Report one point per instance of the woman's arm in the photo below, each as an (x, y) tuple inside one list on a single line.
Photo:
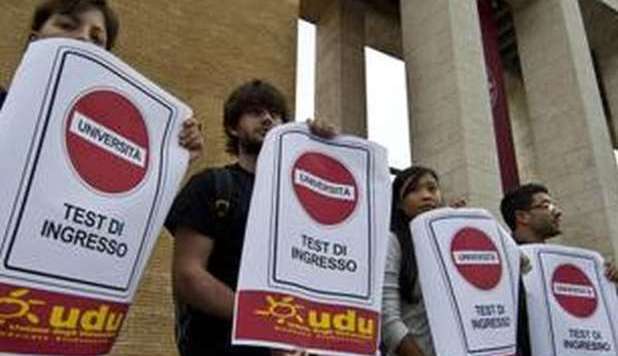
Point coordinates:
[(395, 333)]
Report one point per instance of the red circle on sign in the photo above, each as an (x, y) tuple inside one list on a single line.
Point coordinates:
[(107, 141), (476, 258), (325, 188), (574, 291)]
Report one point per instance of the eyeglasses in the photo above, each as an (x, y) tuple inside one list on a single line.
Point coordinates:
[(550, 206)]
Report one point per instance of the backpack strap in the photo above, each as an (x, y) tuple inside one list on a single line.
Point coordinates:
[(222, 204)]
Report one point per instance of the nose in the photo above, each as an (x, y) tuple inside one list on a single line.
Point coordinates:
[(427, 195), (556, 211), (267, 117)]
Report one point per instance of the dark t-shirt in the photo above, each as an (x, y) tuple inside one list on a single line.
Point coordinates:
[(523, 330), (2, 97), (198, 333)]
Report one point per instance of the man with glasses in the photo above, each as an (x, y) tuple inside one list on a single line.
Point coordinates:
[(534, 217), (531, 213)]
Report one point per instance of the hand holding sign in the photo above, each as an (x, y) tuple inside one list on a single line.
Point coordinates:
[(611, 271), (191, 138)]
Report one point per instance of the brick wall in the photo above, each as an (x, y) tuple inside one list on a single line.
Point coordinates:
[(199, 50)]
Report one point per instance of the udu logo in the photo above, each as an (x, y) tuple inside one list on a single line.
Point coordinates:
[(18, 308), (476, 257), (107, 141), (574, 291), (349, 321), (325, 188)]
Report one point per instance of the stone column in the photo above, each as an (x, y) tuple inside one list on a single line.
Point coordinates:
[(602, 29), (451, 124), (340, 67), (601, 24), (608, 63), (571, 139)]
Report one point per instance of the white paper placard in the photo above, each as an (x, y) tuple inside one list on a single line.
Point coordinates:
[(572, 307), (90, 165), (315, 245), (469, 269)]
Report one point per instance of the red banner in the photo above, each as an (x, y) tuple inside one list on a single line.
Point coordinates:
[(499, 105), (40, 322), (284, 318)]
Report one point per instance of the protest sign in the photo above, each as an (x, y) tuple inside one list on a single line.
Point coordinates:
[(313, 258), (572, 307), (469, 273), (90, 165)]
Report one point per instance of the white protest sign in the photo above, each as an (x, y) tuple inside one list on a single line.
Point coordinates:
[(572, 306), (314, 251), (90, 165), (469, 272)]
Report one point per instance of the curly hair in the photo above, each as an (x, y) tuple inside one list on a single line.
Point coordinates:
[(256, 94)]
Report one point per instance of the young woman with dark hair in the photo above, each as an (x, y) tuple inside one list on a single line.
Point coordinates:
[(405, 327)]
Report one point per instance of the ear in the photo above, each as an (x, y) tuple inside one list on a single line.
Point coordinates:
[(522, 218), (231, 131)]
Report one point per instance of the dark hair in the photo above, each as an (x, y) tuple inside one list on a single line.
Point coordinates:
[(400, 226), (256, 94), (68, 7), (519, 199)]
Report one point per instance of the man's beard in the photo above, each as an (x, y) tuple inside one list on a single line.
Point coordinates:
[(553, 232), (250, 146), (548, 231)]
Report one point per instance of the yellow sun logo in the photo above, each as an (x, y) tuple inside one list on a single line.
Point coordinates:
[(12, 307), (282, 309)]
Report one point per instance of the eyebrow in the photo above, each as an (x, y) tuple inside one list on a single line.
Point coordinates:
[(75, 17), (546, 201)]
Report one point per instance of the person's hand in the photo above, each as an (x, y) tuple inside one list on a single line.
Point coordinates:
[(322, 128), (524, 264), (276, 352), (408, 347), (611, 272), (459, 202), (191, 138)]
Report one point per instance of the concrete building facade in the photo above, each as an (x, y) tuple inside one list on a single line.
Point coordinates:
[(559, 61)]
